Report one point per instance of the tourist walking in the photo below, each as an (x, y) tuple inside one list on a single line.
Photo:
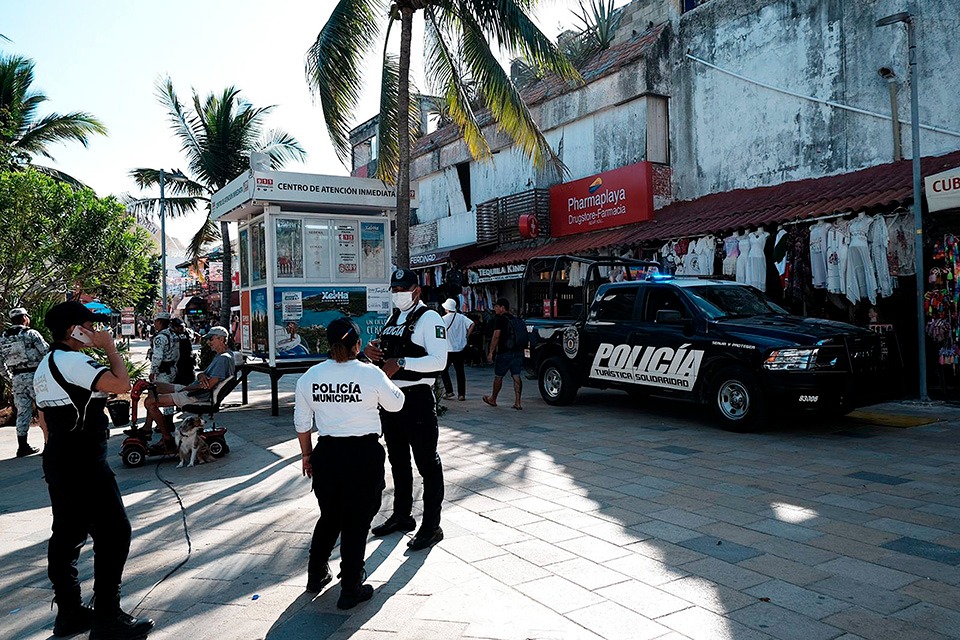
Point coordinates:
[(506, 352), (412, 350), (342, 398), (458, 327)]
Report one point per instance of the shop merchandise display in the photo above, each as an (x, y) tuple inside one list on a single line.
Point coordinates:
[(731, 249), (706, 253), (942, 300), (859, 276), (743, 241), (900, 248), (780, 256), (818, 254), (757, 260)]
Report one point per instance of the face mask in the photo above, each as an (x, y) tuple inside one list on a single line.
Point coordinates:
[(402, 300)]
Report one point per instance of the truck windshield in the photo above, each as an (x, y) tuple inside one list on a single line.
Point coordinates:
[(727, 301)]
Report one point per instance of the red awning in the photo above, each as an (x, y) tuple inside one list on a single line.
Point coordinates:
[(875, 189)]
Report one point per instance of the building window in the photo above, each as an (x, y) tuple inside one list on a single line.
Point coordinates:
[(463, 173), (658, 130)]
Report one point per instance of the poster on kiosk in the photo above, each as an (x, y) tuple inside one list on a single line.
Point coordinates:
[(311, 249)]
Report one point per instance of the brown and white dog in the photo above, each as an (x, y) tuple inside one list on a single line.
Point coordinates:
[(191, 446)]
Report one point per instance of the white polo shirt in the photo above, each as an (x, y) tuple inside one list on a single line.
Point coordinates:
[(76, 368), (344, 398)]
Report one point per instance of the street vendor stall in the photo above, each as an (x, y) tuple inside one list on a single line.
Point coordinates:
[(311, 248)]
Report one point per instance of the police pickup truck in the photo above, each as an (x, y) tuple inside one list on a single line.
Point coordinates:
[(615, 323)]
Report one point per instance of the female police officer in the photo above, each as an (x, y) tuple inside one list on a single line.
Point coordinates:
[(342, 396)]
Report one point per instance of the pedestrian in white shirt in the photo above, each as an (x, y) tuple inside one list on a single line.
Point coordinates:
[(342, 397), (459, 328)]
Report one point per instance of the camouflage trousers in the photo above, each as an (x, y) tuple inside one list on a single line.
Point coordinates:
[(168, 378), (24, 398)]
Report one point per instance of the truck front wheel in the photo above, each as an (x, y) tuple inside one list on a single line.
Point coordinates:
[(556, 382), (736, 400)]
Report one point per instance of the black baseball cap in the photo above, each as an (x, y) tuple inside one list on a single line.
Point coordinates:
[(343, 331), (404, 278), (67, 314)]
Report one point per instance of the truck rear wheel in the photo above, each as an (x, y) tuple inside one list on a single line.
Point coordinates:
[(556, 382), (736, 400)]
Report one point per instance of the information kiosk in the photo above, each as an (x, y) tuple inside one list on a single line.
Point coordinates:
[(311, 248)]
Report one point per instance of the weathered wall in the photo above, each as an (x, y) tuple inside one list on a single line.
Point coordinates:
[(728, 133)]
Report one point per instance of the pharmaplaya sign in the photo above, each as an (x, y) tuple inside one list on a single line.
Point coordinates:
[(609, 199)]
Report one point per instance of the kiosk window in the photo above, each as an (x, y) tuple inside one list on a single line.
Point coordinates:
[(663, 298), (616, 305), (244, 257), (289, 248), (258, 251), (318, 250)]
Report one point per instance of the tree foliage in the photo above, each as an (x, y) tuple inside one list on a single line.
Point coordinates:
[(217, 135), (56, 239), (461, 39)]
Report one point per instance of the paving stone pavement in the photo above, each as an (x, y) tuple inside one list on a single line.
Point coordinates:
[(600, 520)]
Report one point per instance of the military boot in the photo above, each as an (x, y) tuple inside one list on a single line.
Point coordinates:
[(24, 449), (318, 575), (110, 622), (73, 616)]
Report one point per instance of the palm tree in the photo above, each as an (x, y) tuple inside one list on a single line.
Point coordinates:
[(459, 35), (22, 134), (217, 136)]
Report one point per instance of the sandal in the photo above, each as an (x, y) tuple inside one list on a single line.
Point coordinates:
[(518, 407), (461, 398), (489, 401), (448, 395)]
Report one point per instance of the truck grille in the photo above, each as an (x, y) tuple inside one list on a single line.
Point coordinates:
[(867, 354)]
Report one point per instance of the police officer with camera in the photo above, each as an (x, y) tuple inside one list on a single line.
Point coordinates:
[(165, 351), (412, 350), (72, 391), (21, 349)]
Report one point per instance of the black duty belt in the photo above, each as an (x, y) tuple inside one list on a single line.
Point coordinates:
[(23, 370)]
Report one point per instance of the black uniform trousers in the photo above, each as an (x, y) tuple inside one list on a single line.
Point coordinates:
[(86, 501), (414, 428), (348, 483), (456, 359)]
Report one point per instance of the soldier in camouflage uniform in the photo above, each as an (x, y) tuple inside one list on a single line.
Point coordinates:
[(165, 351), (21, 350)]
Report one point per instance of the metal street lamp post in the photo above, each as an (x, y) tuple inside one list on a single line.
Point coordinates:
[(177, 176), (907, 18)]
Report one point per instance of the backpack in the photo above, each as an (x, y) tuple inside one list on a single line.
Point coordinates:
[(517, 337)]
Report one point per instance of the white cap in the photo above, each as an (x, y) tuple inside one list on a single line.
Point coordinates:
[(217, 331), (163, 315), (18, 311), (450, 304)]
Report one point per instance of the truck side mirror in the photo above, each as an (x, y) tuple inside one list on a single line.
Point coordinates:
[(669, 316)]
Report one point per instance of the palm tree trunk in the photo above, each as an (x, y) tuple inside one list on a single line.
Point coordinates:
[(402, 258), (227, 284)]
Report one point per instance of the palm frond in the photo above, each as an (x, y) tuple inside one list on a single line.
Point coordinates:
[(174, 207), (180, 121), (205, 235), (148, 178), (56, 174), (53, 128), (281, 147), (442, 69), (504, 101), (334, 67)]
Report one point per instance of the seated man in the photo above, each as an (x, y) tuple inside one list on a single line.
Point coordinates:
[(198, 393)]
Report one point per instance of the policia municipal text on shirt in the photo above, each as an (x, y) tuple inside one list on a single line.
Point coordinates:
[(347, 464), (412, 350), (71, 390)]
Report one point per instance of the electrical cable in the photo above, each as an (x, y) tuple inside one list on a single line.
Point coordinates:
[(829, 103), (186, 535)]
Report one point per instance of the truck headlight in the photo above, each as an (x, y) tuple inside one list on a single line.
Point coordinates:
[(791, 359)]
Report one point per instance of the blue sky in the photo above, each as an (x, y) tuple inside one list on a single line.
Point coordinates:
[(105, 57)]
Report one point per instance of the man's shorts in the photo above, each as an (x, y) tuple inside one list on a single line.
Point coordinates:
[(511, 361), (182, 398)]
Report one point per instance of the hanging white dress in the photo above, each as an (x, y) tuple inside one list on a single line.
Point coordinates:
[(707, 251), (743, 249), (836, 258), (860, 275), (818, 254), (879, 241), (757, 261), (731, 249)]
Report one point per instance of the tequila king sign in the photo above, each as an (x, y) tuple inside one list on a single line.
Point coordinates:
[(609, 199)]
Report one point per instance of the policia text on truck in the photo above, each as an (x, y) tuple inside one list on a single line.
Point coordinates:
[(711, 341)]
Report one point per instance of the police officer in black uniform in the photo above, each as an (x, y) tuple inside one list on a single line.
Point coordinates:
[(412, 349), (71, 391)]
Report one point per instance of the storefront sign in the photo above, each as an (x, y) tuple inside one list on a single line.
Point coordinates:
[(292, 305), (284, 186), (609, 199), (497, 274), (943, 190), (346, 260), (127, 322)]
